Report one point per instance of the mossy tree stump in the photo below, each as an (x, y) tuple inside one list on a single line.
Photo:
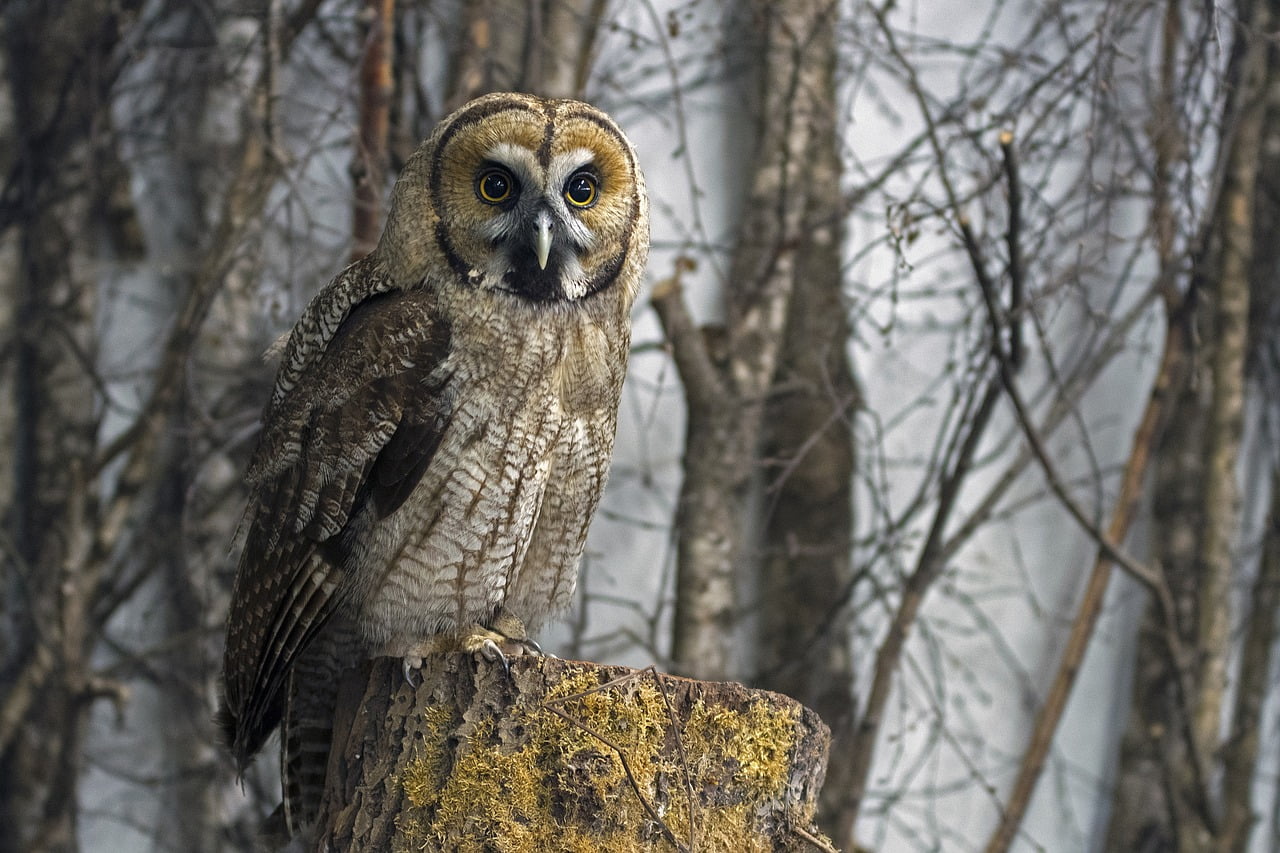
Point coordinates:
[(567, 756)]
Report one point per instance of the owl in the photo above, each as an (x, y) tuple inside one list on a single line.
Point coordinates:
[(441, 425)]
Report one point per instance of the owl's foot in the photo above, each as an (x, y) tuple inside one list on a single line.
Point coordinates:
[(487, 647), (506, 637), (516, 635), (413, 656)]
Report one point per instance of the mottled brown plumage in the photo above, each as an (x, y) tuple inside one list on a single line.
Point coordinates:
[(442, 421)]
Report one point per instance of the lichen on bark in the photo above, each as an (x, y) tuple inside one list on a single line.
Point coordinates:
[(571, 756)]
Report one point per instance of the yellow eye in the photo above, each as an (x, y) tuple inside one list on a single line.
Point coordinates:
[(580, 191), (495, 186)]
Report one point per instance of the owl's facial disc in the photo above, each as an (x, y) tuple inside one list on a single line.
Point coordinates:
[(536, 226), (536, 199)]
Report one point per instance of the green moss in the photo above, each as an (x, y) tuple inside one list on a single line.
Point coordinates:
[(425, 772), (758, 742)]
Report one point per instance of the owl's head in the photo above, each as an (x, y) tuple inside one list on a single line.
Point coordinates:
[(542, 199)]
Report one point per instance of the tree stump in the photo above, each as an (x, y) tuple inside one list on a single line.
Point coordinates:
[(567, 756)]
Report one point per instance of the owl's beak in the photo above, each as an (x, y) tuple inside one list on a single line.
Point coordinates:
[(542, 239)]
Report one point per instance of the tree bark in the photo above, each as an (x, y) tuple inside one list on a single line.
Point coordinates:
[(805, 643), (78, 499), (1240, 754), (59, 77), (567, 755), (726, 395), (544, 47), (1228, 293), (369, 162), (1162, 799)]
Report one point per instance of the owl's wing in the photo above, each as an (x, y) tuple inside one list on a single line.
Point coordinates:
[(356, 431)]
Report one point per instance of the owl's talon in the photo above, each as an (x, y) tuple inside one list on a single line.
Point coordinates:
[(410, 666), (514, 636), (491, 652)]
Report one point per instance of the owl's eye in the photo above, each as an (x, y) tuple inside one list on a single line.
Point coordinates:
[(495, 186), (580, 191)]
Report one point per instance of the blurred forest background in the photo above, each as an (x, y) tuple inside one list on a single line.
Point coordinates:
[(953, 409)]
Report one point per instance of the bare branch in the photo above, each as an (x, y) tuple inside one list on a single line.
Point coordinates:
[(704, 386)]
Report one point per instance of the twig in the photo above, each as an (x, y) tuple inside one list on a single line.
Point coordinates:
[(680, 753), (626, 767), (1109, 554), (675, 730), (1017, 286), (816, 841), (682, 131), (928, 566)]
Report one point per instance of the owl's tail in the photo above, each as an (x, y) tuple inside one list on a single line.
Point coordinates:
[(306, 730)]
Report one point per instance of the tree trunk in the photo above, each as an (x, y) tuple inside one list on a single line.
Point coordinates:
[(1240, 756), (369, 161), (567, 755), (1161, 803), (544, 47), (59, 78), (726, 395), (1142, 814), (805, 643), (78, 497)]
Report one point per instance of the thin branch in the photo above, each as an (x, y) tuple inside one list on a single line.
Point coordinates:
[(1017, 284), (631, 776), (928, 566), (680, 754), (253, 178), (1090, 606), (817, 841), (703, 384)]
